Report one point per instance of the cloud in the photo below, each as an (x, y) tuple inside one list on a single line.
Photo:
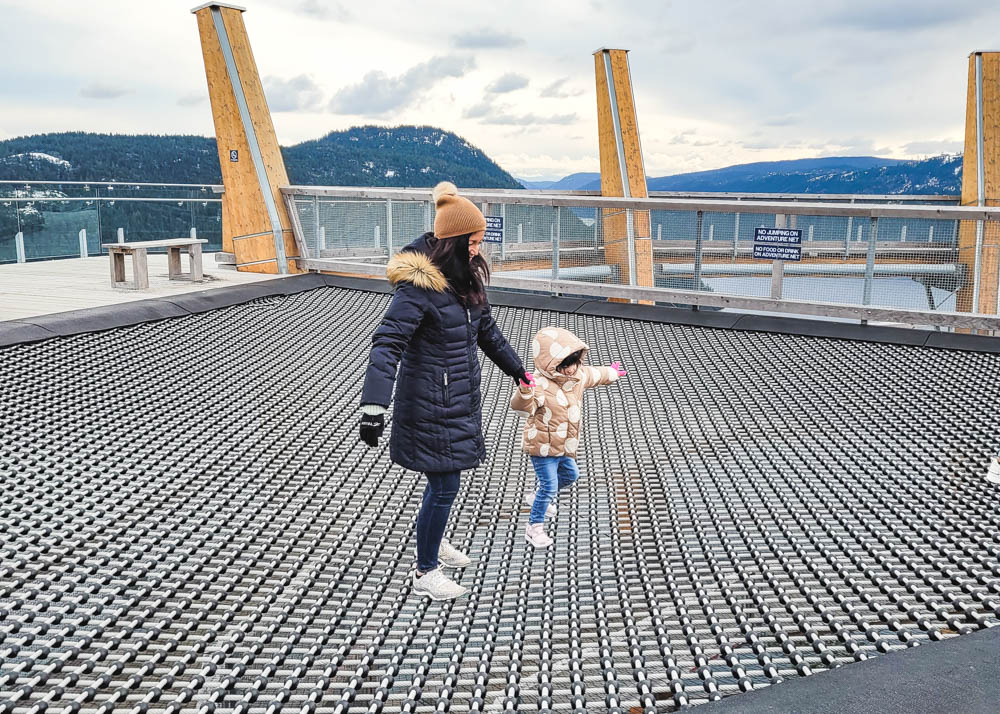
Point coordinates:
[(98, 90), (501, 114), (902, 15), (378, 93), (784, 120), (486, 38), (507, 83), (556, 91), (191, 100), (944, 146), (503, 118), (478, 110), (325, 10), (289, 95), (678, 44)]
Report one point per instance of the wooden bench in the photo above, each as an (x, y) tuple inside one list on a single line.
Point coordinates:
[(140, 271)]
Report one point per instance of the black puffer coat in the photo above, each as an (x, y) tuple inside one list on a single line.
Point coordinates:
[(431, 337)]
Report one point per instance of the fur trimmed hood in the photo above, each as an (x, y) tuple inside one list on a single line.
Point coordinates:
[(417, 269)]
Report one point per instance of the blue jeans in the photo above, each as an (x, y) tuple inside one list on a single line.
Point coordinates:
[(554, 473), (442, 487)]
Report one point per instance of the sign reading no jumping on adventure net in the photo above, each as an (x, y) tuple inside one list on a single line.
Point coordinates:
[(777, 244)]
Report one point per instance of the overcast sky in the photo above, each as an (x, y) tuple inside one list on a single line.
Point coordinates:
[(716, 83)]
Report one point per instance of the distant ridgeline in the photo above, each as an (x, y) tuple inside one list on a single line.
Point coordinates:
[(851, 174), (362, 156)]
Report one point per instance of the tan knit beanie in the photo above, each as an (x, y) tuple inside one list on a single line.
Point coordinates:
[(455, 215)]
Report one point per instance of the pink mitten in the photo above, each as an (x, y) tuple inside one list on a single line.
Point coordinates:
[(617, 366), (530, 384)]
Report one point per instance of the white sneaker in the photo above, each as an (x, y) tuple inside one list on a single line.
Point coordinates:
[(535, 535), (451, 556), (437, 586), (993, 474), (529, 499)]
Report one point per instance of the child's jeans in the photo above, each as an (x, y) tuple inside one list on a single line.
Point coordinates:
[(554, 473)]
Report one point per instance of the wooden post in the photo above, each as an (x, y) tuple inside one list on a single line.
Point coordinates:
[(622, 170), (256, 226), (979, 244)]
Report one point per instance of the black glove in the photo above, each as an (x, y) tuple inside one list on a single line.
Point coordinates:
[(521, 376), (372, 426)]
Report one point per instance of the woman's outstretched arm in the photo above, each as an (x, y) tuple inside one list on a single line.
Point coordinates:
[(401, 320), (495, 346)]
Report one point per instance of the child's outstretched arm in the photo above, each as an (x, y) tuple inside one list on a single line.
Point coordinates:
[(597, 376), (523, 399)]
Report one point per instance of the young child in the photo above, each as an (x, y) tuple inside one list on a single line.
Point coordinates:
[(551, 400)]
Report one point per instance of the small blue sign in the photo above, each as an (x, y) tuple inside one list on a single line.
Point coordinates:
[(765, 251), (494, 229), (779, 236), (777, 243)]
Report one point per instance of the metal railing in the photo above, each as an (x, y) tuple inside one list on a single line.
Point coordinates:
[(42, 220), (910, 262)]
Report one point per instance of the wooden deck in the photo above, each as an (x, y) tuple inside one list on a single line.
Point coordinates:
[(50, 286)]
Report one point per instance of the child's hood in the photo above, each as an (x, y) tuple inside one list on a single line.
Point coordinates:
[(551, 346)]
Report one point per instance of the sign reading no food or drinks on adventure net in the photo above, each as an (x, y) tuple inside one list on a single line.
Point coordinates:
[(777, 244), (494, 229)]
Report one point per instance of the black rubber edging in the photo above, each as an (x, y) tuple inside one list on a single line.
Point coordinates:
[(961, 674), (777, 324), (133, 313), (109, 317)]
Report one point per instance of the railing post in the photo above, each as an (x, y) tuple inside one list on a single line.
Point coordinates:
[(83, 243), (870, 263), (322, 239), (19, 246), (378, 237), (121, 234), (736, 236), (428, 221), (847, 238), (316, 223), (698, 225), (977, 271), (630, 234), (503, 233), (388, 225), (555, 246), (194, 233), (778, 266)]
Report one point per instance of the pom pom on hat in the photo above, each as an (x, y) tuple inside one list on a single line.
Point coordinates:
[(455, 215), (445, 188)]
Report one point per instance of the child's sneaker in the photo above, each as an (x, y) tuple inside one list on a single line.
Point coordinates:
[(535, 535), (437, 586), (529, 499), (451, 556)]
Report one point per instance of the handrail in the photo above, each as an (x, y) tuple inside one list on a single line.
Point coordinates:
[(107, 199), (872, 210), (976, 321), (217, 188)]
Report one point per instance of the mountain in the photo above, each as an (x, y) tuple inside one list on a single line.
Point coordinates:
[(836, 174), (361, 156), (853, 174), (573, 182)]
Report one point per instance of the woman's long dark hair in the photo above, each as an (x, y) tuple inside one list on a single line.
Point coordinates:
[(467, 278)]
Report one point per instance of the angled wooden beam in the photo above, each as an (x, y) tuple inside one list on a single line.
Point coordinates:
[(626, 234), (256, 226), (979, 242)]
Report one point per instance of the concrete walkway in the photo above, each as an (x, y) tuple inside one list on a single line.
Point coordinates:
[(52, 286)]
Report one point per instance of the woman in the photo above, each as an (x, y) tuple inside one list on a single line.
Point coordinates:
[(438, 315)]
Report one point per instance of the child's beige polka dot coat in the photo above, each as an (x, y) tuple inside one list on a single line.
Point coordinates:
[(553, 408)]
